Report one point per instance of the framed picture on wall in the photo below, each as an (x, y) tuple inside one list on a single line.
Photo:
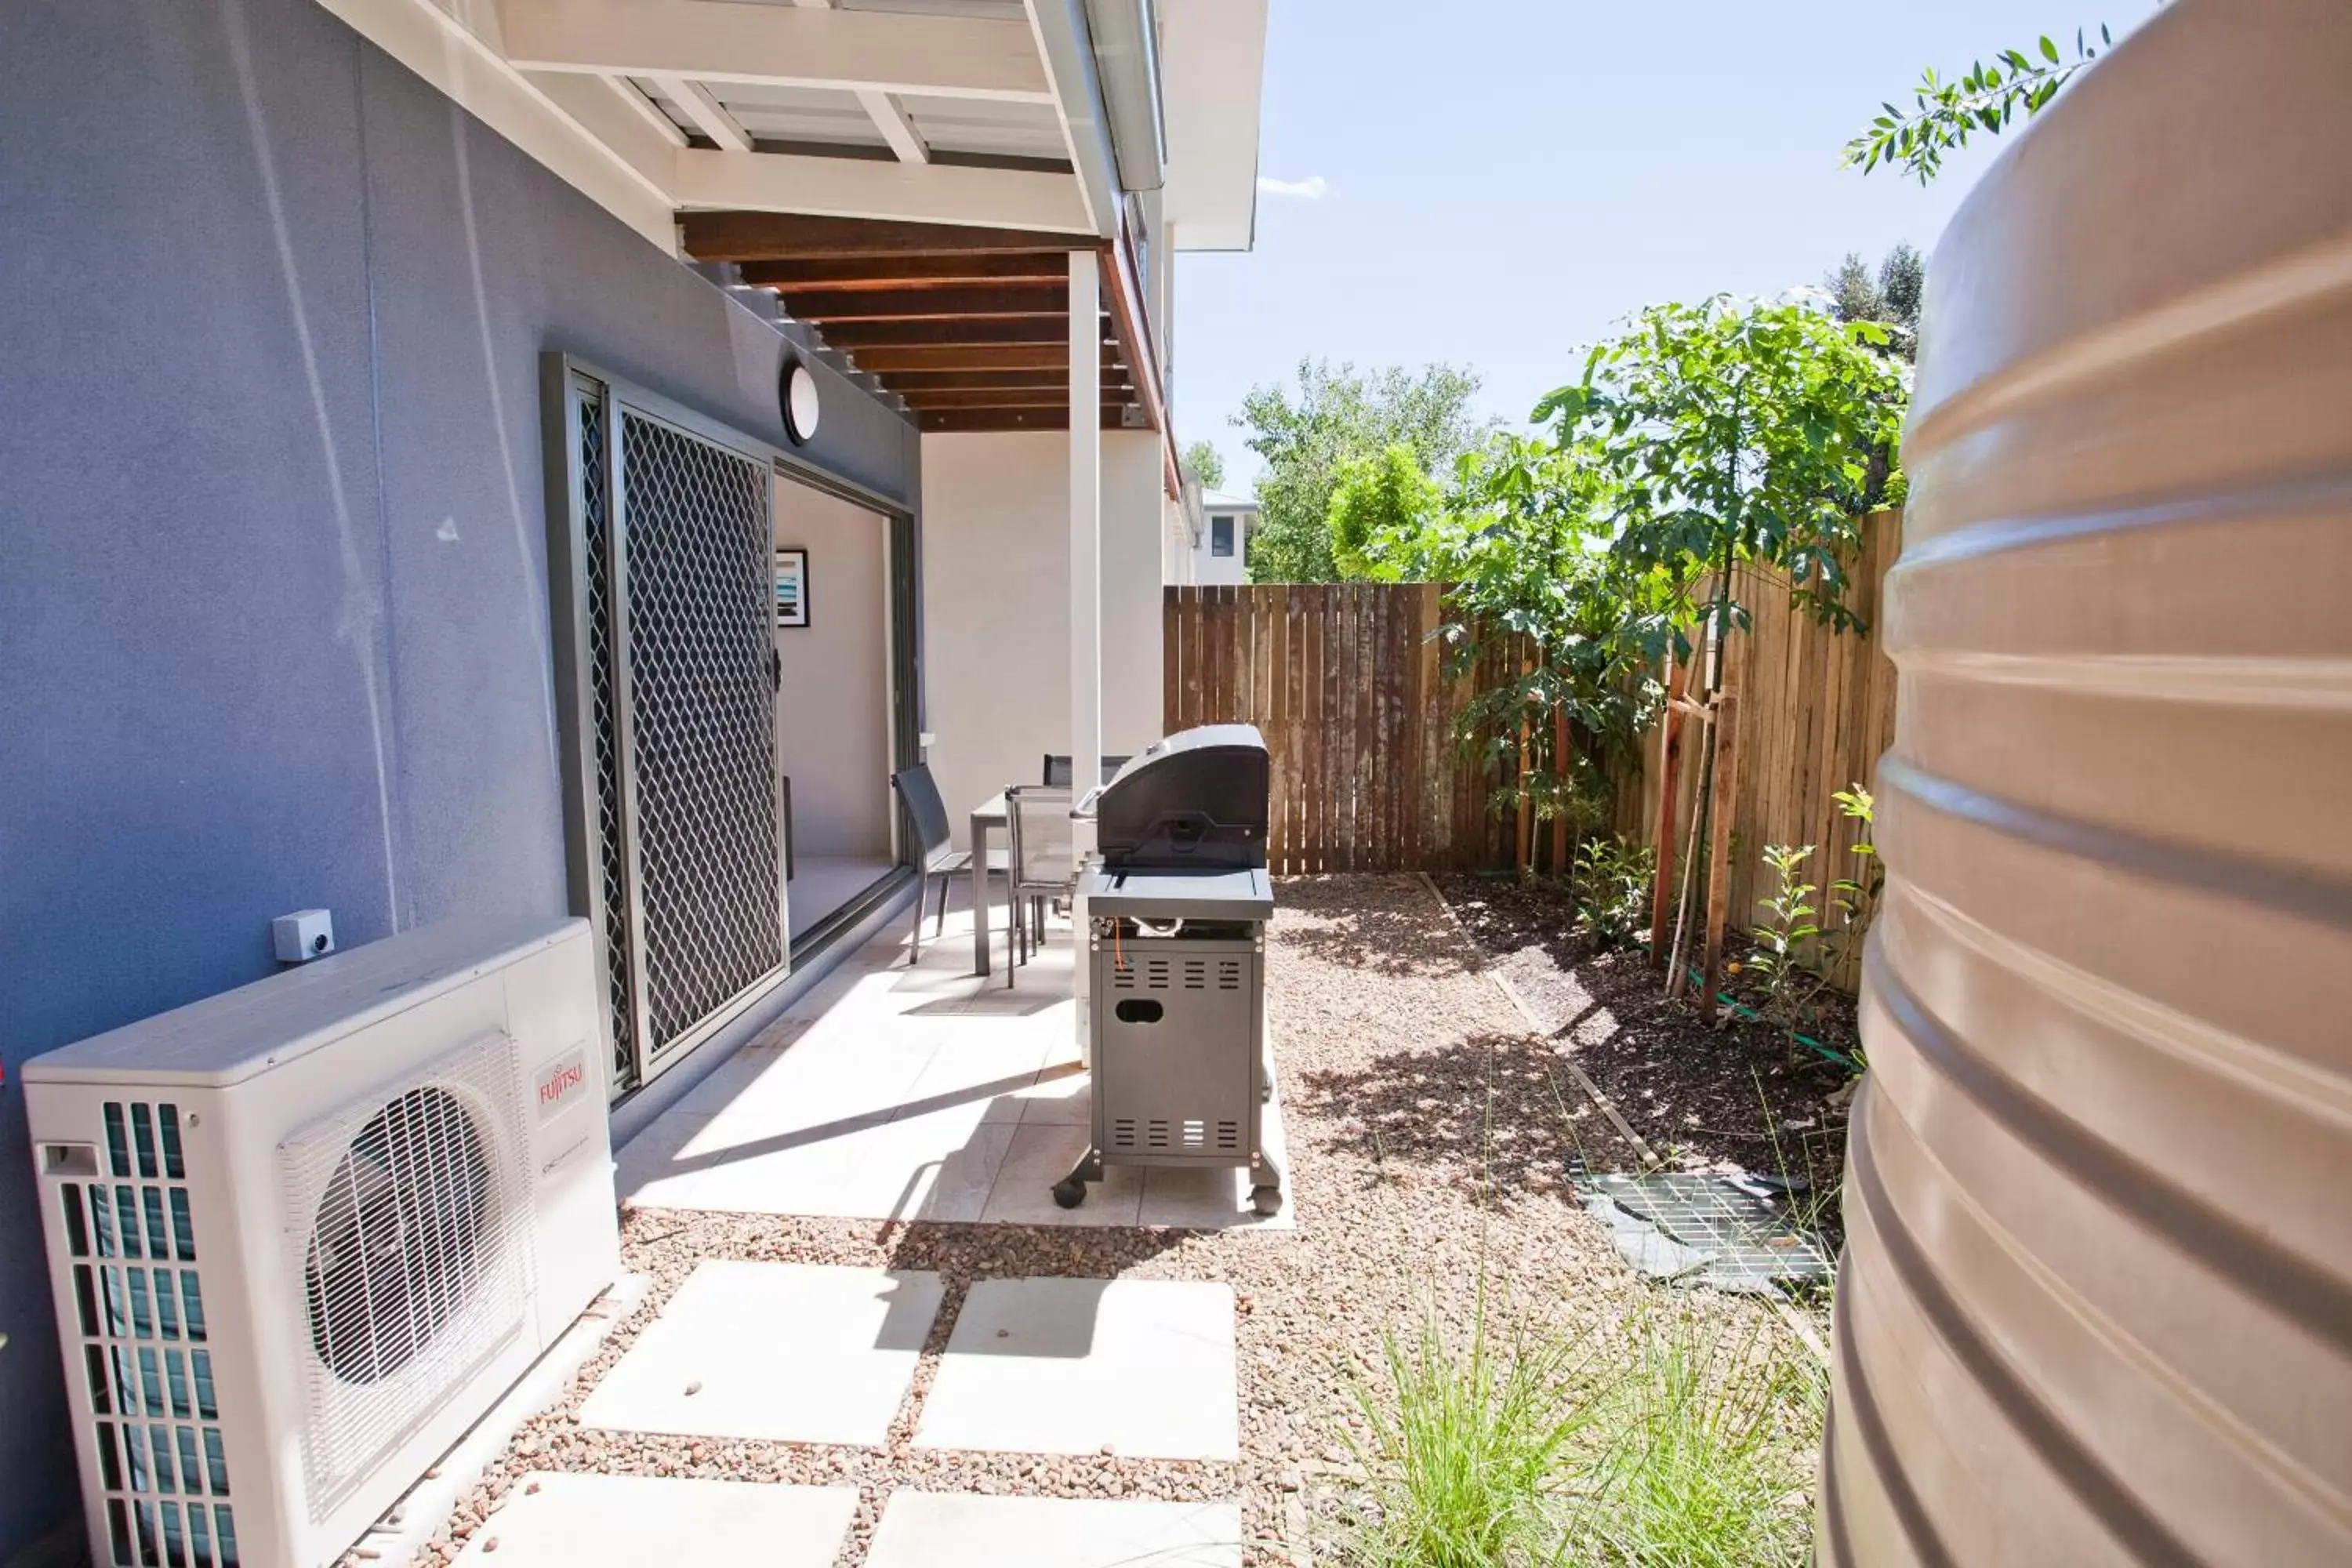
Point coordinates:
[(792, 588)]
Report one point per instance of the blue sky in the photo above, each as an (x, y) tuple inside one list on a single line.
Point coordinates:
[(1493, 183)]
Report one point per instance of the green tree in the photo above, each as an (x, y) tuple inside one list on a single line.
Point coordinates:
[(1732, 431), (1305, 438), (1729, 432), (1891, 297), (1944, 114), (1524, 540), (1205, 463), (1383, 496)]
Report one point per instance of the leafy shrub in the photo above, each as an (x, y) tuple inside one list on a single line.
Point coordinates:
[(1781, 962), (1610, 885), (1855, 896)]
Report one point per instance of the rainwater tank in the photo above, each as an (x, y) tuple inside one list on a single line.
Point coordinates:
[(2096, 1300)]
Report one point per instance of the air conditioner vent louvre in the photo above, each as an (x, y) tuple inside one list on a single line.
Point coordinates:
[(145, 1365)]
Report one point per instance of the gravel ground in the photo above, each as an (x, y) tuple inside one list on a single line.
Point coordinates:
[(1429, 1137), (1704, 1099)]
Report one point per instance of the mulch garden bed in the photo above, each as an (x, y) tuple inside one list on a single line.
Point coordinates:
[(1706, 1098)]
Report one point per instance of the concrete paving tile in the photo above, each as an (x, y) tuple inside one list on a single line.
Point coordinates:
[(742, 1070), (843, 1074), (938, 1166), (558, 1520), (792, 1352), (975, 1066), (1062, 1095), (721, 1163), (1141, 1367), (1196, 1199), (650, 1156), (935, 1530), (1041, 1155)]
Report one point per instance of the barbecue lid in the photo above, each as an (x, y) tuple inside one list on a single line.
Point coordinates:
[(1198, 798), (1243, 895)]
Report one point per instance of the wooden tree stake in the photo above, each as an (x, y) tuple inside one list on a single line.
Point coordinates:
[(1559, 768), (1523, 835), (1669, 758), (1718, 855)]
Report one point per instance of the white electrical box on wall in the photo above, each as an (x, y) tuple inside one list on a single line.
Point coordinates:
[(302, 936)]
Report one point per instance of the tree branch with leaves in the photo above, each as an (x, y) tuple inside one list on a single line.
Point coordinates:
[(1944, 114)]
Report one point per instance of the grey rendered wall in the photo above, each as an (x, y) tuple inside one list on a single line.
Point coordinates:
[(832, 701), (273, 624)]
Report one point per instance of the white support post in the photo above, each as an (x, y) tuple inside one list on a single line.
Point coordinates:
[(1085, 521), (1086, 596)]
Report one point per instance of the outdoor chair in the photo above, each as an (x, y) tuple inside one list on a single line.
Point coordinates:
[(936, 858), (1044, 865), (1057, 769)]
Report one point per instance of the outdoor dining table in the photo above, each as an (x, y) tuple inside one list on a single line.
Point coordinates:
[(987, 817)]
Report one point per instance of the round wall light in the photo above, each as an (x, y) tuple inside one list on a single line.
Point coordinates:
[(797, 393)]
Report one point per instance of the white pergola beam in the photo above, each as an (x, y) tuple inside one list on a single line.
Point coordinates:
[(709, 116), (600, 105), (953, 57), (890, 119), (636, 102), (1044, 200), (468, 68), (889, 115)]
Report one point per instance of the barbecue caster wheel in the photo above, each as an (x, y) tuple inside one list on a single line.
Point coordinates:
[(1069, 1192), (1267, 1201)]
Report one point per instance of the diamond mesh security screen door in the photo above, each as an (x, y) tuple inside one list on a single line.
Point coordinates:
[(666, 660)]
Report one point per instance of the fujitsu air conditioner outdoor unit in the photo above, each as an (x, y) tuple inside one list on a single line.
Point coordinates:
[(303, 1234)]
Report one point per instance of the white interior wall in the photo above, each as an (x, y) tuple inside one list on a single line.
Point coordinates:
[(997, 605), (833, 704)]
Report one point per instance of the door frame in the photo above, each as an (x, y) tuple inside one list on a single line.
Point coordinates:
[(565, 379)]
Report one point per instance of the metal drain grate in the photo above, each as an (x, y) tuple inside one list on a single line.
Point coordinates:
[(1745, 1233)]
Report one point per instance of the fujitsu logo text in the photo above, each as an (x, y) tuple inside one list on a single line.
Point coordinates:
[(560, 1082)]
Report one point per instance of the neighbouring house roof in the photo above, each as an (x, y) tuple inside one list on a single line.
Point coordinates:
[(1218, 501)]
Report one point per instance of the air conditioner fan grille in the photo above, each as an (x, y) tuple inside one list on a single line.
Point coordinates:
[(405, 1217)]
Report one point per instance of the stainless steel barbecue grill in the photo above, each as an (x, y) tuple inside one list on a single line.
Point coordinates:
[(1176, 912)]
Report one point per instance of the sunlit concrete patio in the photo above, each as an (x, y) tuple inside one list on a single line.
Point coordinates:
[(917, 1091)]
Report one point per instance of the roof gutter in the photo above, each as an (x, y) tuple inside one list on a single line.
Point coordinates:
[(1069, 47), (1126, 54)]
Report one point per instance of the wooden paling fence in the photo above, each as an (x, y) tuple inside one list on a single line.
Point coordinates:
[(1347, 682), (1816, 709)]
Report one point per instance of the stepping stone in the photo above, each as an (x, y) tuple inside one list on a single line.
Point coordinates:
[(795, 1353), (626, 1521), (1141, 1367), (940, 1530)]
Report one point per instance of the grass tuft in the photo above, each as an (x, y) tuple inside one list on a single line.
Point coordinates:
[(1684, 1444), (1711, 1433), (1460, 1448)]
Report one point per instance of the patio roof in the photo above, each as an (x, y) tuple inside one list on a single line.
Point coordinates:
[(1040, 117), (969, 326)]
